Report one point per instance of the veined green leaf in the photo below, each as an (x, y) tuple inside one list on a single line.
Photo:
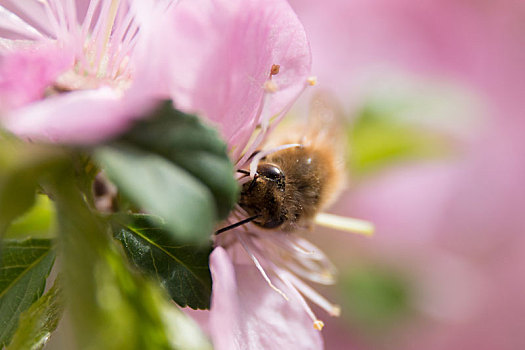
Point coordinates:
[(22, 166), (39, 221), (186, 141), (111, 306), (24, 267), (181, 268), (173, 166), (39, 321), (164, 189)]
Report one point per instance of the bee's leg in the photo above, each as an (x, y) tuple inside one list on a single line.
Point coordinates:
[(253, 182), (246, 172), (253, 154)]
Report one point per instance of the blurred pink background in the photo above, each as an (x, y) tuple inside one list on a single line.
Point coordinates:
[(434, 93)]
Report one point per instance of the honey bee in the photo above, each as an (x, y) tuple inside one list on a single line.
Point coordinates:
[(296, 181)]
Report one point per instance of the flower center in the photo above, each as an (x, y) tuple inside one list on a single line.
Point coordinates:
[(102, 44)]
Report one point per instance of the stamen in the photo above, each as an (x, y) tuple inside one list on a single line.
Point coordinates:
[(126, 36), (87, 19), (52, 18), (318, 324), (250, 150), (35, 13), (310, 293), (316, 267), (59, 10), (259, 266), (261, 125), (110, 16), (71, 15), (313, 271), (286, 242), (261, 155), (244, 180), (12, 22), (275, 69), (312, 81), (360, 227), (270, 86)]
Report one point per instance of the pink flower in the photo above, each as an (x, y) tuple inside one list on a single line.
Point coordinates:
[(454, 227), (240, 64), (257, 299), (247, 314), (225, 79), (94, 66), (67, 69)]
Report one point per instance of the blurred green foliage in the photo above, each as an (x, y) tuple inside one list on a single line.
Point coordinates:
[(37, 323), (181, 268), (111, 305), (39, 221), (23, 166), (174, 167), (24, 267), (378, 139), (376, 298), (171, 165)]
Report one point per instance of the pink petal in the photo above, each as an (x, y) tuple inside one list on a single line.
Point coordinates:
[(215, 57), (26, 70), (247, 314), (80, 117), (476, 42)]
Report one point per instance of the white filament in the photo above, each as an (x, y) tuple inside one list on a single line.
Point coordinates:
[(262, 154)]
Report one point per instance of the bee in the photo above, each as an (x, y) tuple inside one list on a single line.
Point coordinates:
[(300, 174)]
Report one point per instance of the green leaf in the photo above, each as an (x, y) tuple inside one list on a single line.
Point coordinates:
[(181, 268), (162, 188), (111, 306), (39, 221), (22, 167), (24, 267), (378, 297), (378, 140), (39, 321), (193, 146)]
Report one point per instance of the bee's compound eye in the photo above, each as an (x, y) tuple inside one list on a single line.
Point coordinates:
[(270, 171)]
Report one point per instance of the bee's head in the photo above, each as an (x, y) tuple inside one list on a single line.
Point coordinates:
[(264, 196), (271, 176)]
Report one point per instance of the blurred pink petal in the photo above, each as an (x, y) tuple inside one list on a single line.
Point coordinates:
[(246, 314), (478, 43), (224, 79), (405, 203), (212, 57), (85, 116), (81, 67), (26, 71), (470, 209)]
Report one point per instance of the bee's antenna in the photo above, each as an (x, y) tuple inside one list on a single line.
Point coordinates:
[(237, 224)]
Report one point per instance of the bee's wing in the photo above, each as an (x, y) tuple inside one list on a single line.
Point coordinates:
[(325, 125)]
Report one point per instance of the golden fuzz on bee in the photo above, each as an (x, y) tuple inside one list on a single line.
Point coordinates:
[(292, 185)]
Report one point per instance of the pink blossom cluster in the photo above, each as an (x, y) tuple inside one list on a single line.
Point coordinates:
[(80, 72)]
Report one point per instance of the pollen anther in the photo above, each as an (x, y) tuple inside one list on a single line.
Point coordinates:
[(312, 80), (275, 69), (270, 86)]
